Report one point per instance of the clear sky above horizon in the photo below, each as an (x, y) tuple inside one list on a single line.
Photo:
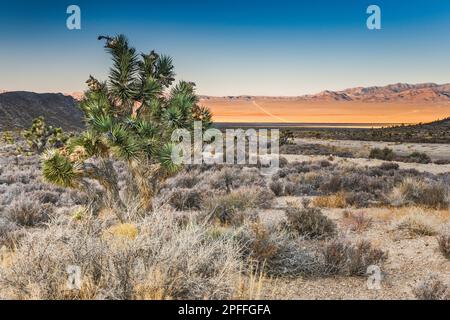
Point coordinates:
[(231, 47)]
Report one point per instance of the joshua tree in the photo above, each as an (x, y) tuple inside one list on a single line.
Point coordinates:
[(40, 136), (131, 118), (7, 137)]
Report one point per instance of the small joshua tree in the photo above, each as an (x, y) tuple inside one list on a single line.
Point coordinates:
[(131, 118), (40, 136), (7, 137)]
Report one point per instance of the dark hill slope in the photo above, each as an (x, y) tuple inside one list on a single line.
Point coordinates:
[(18, 109)]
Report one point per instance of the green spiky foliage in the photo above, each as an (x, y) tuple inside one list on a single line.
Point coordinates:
[(131, 117), (7, 137), (40, 136)]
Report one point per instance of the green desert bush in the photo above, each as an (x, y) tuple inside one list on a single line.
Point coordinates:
[(382, 154), (309, 222)]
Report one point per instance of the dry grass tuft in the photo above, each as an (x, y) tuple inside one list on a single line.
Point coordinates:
[(418, 223), (124, 231), (337, 200), (420, 192), (358, 221)]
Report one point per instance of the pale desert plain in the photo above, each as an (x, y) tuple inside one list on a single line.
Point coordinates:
[(291, 110)]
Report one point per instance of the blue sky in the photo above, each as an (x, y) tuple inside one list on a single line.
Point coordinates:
[(231, 47)]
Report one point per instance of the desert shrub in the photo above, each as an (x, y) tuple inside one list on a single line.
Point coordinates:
[(353, 259), (444, 243), (161, 261), (358, 199), (356, 221), (44, 196), (228, 178), (389, 166), (283, 162), (272, 251), (232, 208), (185, 199), (184, 180), (325, 163), (337, 200), (431, 288), (309, 222), (421, 192), (418, 157), (315, 149), (28, 213), (441, 161), (7, 233), (290, 188), (277, 188), (382, 154), (333, 185)]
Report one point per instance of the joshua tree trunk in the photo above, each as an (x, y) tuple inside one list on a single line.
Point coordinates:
[(142, 177), (106, 175)]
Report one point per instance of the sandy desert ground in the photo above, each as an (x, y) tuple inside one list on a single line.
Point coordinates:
[(291, 110)]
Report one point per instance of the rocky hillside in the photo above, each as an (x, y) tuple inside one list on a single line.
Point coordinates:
[(19, 108)]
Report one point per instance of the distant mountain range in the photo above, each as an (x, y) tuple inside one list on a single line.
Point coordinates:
[(19, 108), (399, 92)]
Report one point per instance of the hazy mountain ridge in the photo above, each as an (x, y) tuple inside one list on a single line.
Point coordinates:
[(399, 92), (19, 108)]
